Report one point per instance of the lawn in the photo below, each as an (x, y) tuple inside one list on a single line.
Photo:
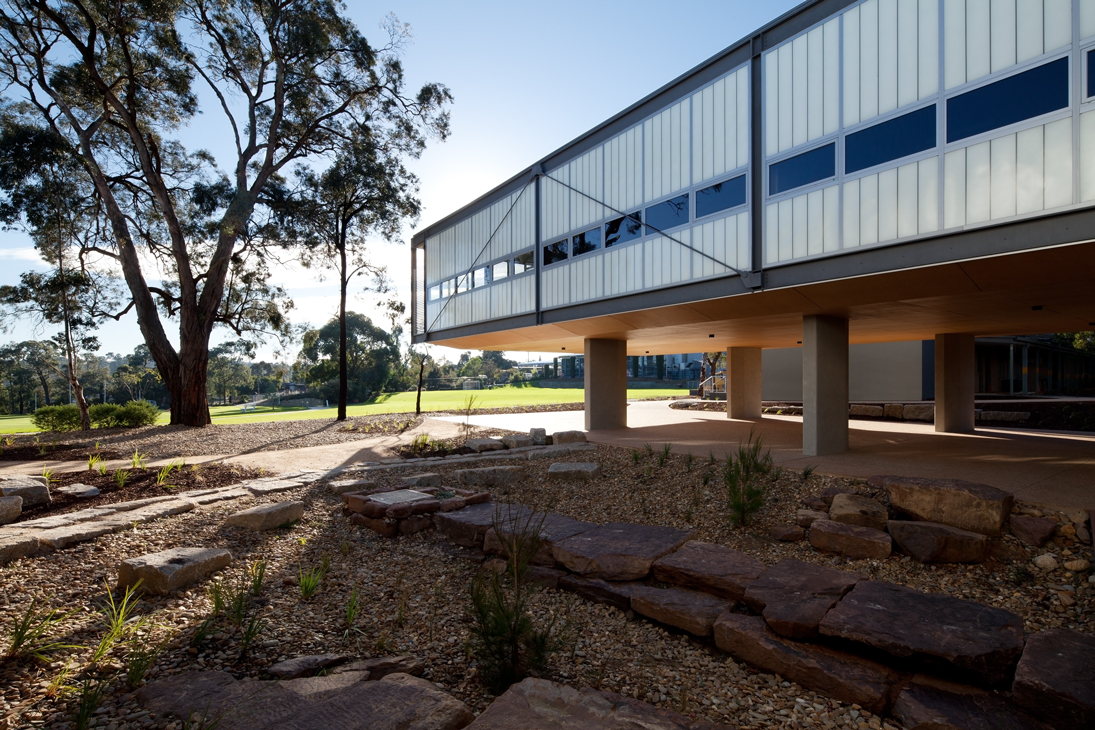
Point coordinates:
[(433, 400)]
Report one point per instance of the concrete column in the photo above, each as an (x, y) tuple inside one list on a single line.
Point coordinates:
[(955, 383), (743, 379), (606, 384), (824, 385)]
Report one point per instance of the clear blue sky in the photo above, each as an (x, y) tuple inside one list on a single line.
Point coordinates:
[(526, 78)]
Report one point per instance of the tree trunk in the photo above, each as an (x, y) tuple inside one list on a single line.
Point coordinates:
[(343, 379), (418, 399), (81, 403), (45, 387)]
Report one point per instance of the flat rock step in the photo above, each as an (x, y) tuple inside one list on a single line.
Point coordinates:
[(552, 528), (490, 476), (794, 596), (929, 704), (573, 472), (79, 491), (1055, 679), (618, 550), (711, 568), (855, 509), (610, 593), (468, 527), (691, 611), (932, 542), (267, 516), (852, 541), (965, 505), (260, 487), (33, 493), (167, 571)]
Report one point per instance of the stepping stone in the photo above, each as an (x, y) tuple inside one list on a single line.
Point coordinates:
[(787, 533), (491, 476), (691, 611), (616, 594), (618, 550), (540, 704), (468, 527), (344, 700), (429, 479), (267, 516), (711, 568), (1034, 531), (260, 487), (170, 570), (966, 505), (15, 478), (539, 436), (553, 529), (305, 666), (32, 492), (343, 486), (855, 509), (927, 703), (380, 667), (807, 517), (829, 494), (551, 452), (794, 596), (568, 437), (482, 445), (151, 512), (10, 509), (60, 538), (517, 441), (931, 542), (981, 643), (79, 491), (13, 547), (1055, 679), (842, 676), (851, 541), (221, 495), (573, 472)]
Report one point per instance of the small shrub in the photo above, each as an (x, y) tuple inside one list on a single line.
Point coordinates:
[(137, 413), (57, 418), (104, 415), (742, 473)]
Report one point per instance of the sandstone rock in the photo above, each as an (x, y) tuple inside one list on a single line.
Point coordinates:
[(161, 573), (345, 700), (966, 505), (919, 412), (616, 594), (399, 511), (60, 538), (551, 527), (1078, 565), (816, 504), (787, 533), (477, 498), (79, 491), (931, 542), (1034, 531), (14, 478), (842, 676), (422, 480), (1083, 534), (452, 503), (537, 704), (618, 551), (381, 526), (866, 411), (539, 436), (807, 517), (855, 509), (491, 476), (1055, 678), (568, 437), (468, 527), (32, 492), (893, 410), (425, 507), (852, 541), (482, 445), (551, 452), (830, 493), (10, 509), (516, 441), (794, 596), (305, 666), (546, 577), (343, 486), (708, 567), (931, 704), (573, 472), (951, 635), (379, 667), (1066, 530), (267, 516), (262, 487), (1045, 562), (415, 524), (13, 547), (691, 611)]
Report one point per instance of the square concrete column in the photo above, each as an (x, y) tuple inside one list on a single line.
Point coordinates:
[(606, 384), (824, 385), (955, 383), (743, 379)]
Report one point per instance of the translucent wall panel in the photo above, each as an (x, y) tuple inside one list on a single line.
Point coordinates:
[(513, 221), (624, 170), (893, 204), (666, 262), (726, 240), (1087, 18), (555, 291), (891, 50), (1020, 173), (802, 89), (720, 126), (805, 225), (587, 176), (623, 270), (555, 204), (987, 36), (586, 278), (1087, 156), (666, 146)]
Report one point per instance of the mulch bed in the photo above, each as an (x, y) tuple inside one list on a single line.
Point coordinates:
[(24, 449)]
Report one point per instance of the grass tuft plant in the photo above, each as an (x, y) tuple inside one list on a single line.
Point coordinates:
[(138, 661), (238, 603), (28, 638), (92, 693), (808, 472), (138, 460), (742, 473), (117, 617), (309, 581), (664, 455), (215, 591), (121, 476), (353, 608), (258, 575), (250, 632), (47, 474)]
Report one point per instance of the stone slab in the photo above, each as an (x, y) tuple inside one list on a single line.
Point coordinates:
[(551, 452), (491, 476), (568, 437), (787, 533), (468, 527), (483, 445), (861, 410), (1055, 678), (539, 436), (851, 541), (807, 517), (13, 547), (429, 479), (1034, 531), (932, 542), (618, 550), (691, 611), (711, 568), (61, 537), (794, 596), (381, 526), (79, 491), (379, 667), (552, 528), (615, 593), (517, 441), (400, 496), (979, 643), (167, 571), (305, 666), (931, 704), (267, 516), (32, 492), (342, 486), (222, 495), (10, 509), (954, 502), (842, 676), (855, 509), (260, 487), (573, 472)]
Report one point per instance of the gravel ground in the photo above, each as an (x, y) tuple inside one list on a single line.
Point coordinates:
[(414, 596)]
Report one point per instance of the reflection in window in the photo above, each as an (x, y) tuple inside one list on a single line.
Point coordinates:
[(435, 292), (906, 135), (721, 196), (499, 271), (555, 252), (1023, 96), (480, 277), (587, 242), (1091, 73), (802, 169), (523, 263), (447, 288), (622, 230), (463, 283), (670, 214)]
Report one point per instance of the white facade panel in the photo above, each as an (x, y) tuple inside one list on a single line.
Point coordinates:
[(831, 77), (715, 132), (1058, 143), (771, 233), (771, 104), (1002, 197), (978, 39), (906, 33), (786, 98), (978, 183), (666, 142), (868, 210), (555, 204), (1029, 33), (719, 240), (1087, 18), (908, 192), (928, 198), (831, 209), (1087, 156), (587, 179), (887, 205), (868, 60), (800, 226), (1029, 171), (802, 88), (851, 214), (1058, 24), (928, 47), (954, 43), (888, 42), (954, 189), (815, 83), (786, 229), (851, 67), (624, 170), (1002, 28), (586, 278), (815, 223), (800, 98)]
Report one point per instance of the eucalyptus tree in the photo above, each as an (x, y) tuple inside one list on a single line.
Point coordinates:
[(289, 80)]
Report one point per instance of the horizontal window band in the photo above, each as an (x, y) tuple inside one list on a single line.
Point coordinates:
[(891, 140), (1015, 99), (808, 167)]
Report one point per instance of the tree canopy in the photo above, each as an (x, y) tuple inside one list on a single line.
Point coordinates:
[(371, 357)]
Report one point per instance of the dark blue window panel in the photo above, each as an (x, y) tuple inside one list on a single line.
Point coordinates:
[(668, 214), (906, 135), (1023, 96), (587, 242), (555, 252), (721, 196), (622, 230), (802, 169), (1091, 73)]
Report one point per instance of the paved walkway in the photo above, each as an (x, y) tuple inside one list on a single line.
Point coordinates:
[(1045, 467)]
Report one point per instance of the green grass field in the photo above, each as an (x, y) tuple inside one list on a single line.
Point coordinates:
[(432, 400)]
